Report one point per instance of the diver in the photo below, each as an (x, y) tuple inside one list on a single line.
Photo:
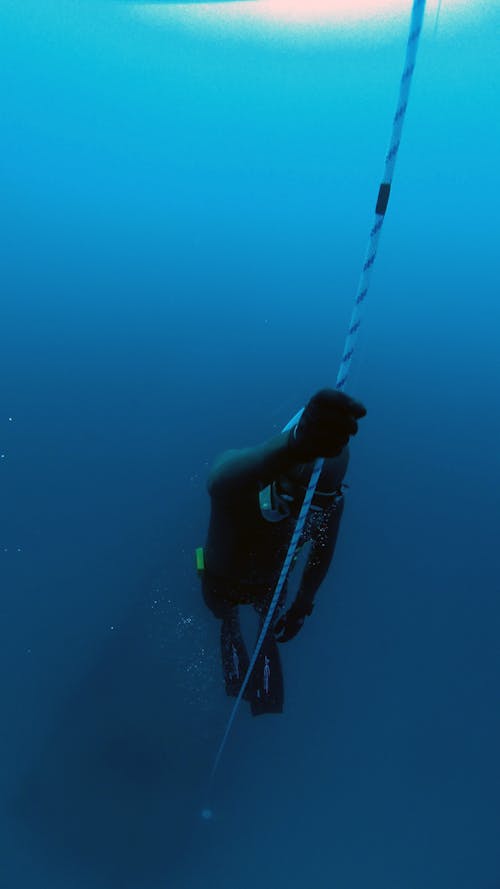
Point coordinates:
[(256, 495)]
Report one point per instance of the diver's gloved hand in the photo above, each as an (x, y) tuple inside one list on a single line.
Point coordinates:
[(287, 626), (329, 419)]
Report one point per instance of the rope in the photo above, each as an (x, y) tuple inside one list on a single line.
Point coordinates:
[(416, 21)]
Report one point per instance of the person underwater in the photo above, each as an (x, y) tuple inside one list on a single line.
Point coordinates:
[(256, 494)]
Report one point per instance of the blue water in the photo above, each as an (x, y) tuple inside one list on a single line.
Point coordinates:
[(184, 214)]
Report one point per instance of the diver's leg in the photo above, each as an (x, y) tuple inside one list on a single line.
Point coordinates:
[(235, 660)]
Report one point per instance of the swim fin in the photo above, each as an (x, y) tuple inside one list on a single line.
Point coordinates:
[(266, 681), (235, 660)]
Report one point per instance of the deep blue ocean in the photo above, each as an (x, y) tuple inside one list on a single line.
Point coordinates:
[(185, 205)]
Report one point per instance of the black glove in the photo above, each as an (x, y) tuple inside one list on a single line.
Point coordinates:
[(329, 419), (287, 626)]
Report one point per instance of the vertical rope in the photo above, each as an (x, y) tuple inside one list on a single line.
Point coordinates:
[(416, 21), (417, 16)]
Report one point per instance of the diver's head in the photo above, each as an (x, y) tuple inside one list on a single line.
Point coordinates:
[(291, 488)]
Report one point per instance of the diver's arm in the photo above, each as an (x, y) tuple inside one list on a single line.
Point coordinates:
[(324, 428), (237, 471), (318, 563)]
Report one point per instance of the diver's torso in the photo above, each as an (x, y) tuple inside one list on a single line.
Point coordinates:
[(242, 546)]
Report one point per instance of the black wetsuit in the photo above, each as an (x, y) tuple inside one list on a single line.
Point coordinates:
[(244, 554)]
